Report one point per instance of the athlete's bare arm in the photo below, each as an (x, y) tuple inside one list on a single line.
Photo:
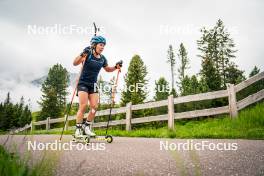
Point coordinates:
[(109, 69), (79, 59)]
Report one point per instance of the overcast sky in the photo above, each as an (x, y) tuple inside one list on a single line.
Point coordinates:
[(131, 27)]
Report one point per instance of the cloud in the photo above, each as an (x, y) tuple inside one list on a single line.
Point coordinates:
[(130, 28)]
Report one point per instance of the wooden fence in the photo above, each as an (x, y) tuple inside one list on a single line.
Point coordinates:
[(232, 108)]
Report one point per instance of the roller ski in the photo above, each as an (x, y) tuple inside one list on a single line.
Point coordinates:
[(83, 134)]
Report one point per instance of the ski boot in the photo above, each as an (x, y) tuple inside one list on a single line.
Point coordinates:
[(90, 134)]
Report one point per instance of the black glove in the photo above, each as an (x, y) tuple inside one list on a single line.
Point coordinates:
[(119, 63), (86, 50)]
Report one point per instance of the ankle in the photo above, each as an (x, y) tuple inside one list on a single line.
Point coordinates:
[(87, 122), (78, 125)]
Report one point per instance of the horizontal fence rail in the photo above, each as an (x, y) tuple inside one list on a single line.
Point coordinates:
[(232, 108), (250, 99), (202, 112), (250, 81), (13, 131), (201, 96)]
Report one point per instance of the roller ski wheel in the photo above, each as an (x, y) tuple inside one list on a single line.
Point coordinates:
[(86, 140), (109, 138)]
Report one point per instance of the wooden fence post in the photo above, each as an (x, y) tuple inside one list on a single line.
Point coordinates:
[(128, 116), (232, 100), (66, 124), (171, 112), (32, 126), (48, 123)]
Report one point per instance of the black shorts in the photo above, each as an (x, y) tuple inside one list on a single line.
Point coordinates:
[(89, 88)]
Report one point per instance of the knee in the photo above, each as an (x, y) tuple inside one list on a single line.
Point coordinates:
[(93, 109)]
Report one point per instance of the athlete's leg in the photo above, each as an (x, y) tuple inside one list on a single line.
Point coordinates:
[(83, 100), (93, 103)]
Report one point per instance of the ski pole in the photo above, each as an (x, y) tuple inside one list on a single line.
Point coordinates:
[(95, 29), (66, 119), (112, 100)]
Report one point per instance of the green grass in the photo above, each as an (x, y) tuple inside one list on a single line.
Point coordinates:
[(248, 125), (12, 164), (2, 132)]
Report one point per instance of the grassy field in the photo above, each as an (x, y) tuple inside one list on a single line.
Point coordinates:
[(12, 164), (248, 125)]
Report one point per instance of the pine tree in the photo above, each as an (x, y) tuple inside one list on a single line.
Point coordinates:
[(194, 87), (217, 46), (1, 116), (184, 64), (15, 116), (11, 116), (210, 75), (26, 115), (161, 89), (190, 85), (257, 86), (203, 85), (7, 113), (171, 60), (136, 75), (18, 109), (61, 82), (185, 86), (174, 93), (53, 100), (233, 74), (254, 71), (226, 51), (50, 105)]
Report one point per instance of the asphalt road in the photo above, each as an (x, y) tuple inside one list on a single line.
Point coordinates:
[(144, 156)]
